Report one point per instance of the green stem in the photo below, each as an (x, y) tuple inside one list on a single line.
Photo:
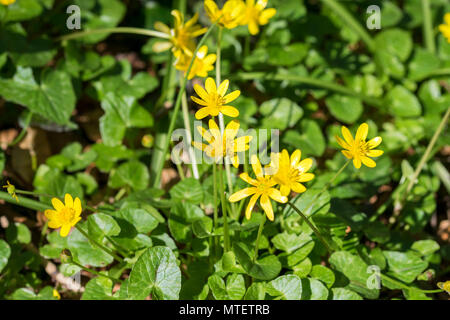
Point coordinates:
[(216, 214), (428, 26), (314, 229), (35, 194), (187, 126), (95, 272), (425, 156), (224, 210), (351, 22), (128, 30), (177, 108), (309, 81), (24, 202), (327, 185), (24, 130), (122, 250), (258, 237), (105, 249)]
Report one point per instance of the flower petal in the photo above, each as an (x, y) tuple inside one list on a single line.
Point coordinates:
[(210, 85), (77, 206), (374, 153), (199, 101), (256, 165), (229, 111), (373, 143), (342, 143), (368, 162), (201, 92), (267, 206), (68, 200), (251, 205), (361, 133), (347, 154), (305, 165), (285, 190), (347, 135), (241, 194), (203, 112), (57, 204), (357, 162), (298, 187), (232, 96), (244, 176), (305, 177), (295, 157), (277, 196), (65, 229), (223, 88)]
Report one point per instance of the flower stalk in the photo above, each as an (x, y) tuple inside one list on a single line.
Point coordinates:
[(258, 237)]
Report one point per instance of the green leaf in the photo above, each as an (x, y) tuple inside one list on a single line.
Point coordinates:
[(132, 173), (345, 294), (344, 108), (155, 272), (321, 205), (265, 268), (257, 291), (402, 103), (5, 252), (303, 268), (422, 64), (396, 42), (53, 98), (23, 10), (290, 55), (289, 242), (308, 138), (217, 286), (355, 269), (280, 113), (18, 232), (189, 190), (202, 227), (100, 225), (235, 286), (323, 274), (288, 287), (313, 289), (182, 216), (425, 247), (405, 266), (99, 288)]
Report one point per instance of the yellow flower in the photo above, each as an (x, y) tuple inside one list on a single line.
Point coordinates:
[(290, 172), (56, 294), (214, 99), (223, 146), (229, 16), (203, 63), (262, 186), (66, 215), (181, 37), (7, 2), (358, 149), (256, 15), (444, 286), (445, 28), (11, 190)]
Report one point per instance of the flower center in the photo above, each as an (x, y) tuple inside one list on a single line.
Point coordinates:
[(67, 215), (264, 185), (287, 176), (216, 100)]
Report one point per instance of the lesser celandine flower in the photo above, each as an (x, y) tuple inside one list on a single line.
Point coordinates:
[(229, 16), (256, 15), (181, 37), (7, 2), (56, 294), (262, 187), (11, 190), (444, 286), (203, 63), (220, 146), (445, 28), (65, 216), (358, 149), (289, 172), (214, 99)]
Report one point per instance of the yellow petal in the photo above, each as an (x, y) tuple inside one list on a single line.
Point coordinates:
[(357, 162), (253, 27), (277, 196), (57, 204), (298, 187), (54, 224), (65, 229), (50, 214), (305, 177), (223, 88), (232, 96), (244, 176), (267, 206), (347, 135), (342, 143), (285, 190), (199, 145), (205, 134), (77, 206), (374, 153), (161, 46), (256, 165), (161, 27), (210, 85), (241, 143), (68, 200), (241, 194), (373, 143), (347, 154), (305, 165), (229, 111), (231, 129), (368, 162), (447, 18), (361, 133), (295, 157), (251, 205), (266, 15), (203, 112), (201, 92), (199, 101)]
